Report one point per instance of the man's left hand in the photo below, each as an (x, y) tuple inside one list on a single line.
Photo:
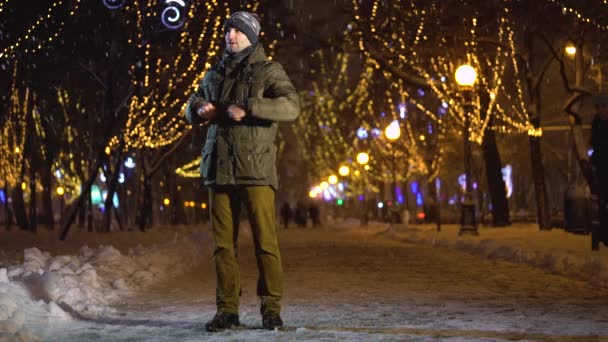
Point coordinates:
[(236, 112)]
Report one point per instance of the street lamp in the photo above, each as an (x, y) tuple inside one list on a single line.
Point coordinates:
[(466, 77), (333, 179), (362, 158), (344, 171), (61, 191), (570, 50), (392, 133)]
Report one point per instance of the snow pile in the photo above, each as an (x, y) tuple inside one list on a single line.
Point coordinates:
[(59, 288), (556, 252)]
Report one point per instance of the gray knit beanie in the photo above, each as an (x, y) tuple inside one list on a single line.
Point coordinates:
[(246, 22)]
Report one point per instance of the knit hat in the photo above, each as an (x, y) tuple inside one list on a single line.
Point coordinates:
[(246, 22)]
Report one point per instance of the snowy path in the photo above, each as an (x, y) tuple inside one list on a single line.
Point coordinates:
[(349, 285)]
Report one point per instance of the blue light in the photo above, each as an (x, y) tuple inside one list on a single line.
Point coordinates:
[(399, 194), (507, 177), (376, 132), (419, 199), (380, 205), (402, 111), (430, 128), (589, 152), (115, 200), (383, 114), (444, 105), (443, 79), (414, 187), (438, 183), (174, 17), (361, 198), (462, 180), (362, 133), (121, 178), (420, 92), (58, 174), (129, 163), (2, 196)]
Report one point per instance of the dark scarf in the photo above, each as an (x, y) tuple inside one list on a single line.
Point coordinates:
[(230, 60)]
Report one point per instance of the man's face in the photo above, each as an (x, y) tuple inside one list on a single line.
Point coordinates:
[(236, 41)]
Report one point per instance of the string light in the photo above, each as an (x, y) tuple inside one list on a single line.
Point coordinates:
[(579, 15)]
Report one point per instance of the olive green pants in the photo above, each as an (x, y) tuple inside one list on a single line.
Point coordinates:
[(225, 205)]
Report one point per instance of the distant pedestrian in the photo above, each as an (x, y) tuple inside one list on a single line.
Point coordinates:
[(599, 159), (313, 213), (301, 214), (286, 214)]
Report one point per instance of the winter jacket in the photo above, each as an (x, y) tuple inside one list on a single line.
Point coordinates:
[(244, 152)]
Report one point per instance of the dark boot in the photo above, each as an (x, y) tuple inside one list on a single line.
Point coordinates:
[(222, 321), (272, 320)]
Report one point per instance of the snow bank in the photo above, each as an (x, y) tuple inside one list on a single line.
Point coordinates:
[(64, 287), (555, 252)]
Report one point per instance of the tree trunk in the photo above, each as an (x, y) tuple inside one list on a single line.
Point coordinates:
[(145, 211), (496, 185), (112, 184), (47, 199), (7, 208), (33, 212), (538, 176), (19, 207)]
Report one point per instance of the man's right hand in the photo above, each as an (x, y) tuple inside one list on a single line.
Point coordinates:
[(205, 110)]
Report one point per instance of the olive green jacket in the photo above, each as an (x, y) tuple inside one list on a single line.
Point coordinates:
[(244, 152)]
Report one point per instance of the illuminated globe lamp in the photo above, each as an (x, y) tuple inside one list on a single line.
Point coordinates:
[(570, 50), (333, 179), (60, 191), (166, 201), (362, 158), (344, 171), (466, 76), (313, 193), (324, 185), (393, 131)]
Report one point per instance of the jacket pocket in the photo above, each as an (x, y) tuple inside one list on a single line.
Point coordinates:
[(253, 162), (256, 89), (208, 161)]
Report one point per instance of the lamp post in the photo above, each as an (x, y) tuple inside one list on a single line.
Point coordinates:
[(363, 159), (392, 133), (465, 77), (60, 192)]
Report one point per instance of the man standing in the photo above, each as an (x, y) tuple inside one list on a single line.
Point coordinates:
[(242, 98), (599, 159)]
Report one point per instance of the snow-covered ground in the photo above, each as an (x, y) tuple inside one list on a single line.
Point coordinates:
[(554, 251), (64, 287), (343, 282)]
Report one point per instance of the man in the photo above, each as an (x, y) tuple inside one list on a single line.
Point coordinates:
[(242, 98), (599, 159)]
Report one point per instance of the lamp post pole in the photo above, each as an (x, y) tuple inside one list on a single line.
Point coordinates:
[(466, 77), (363, 159), (392, 133)]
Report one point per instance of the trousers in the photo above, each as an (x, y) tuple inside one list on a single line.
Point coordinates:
[(225, 206)]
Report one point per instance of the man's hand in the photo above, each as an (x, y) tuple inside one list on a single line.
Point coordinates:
[(236, 112), (205, 110)]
